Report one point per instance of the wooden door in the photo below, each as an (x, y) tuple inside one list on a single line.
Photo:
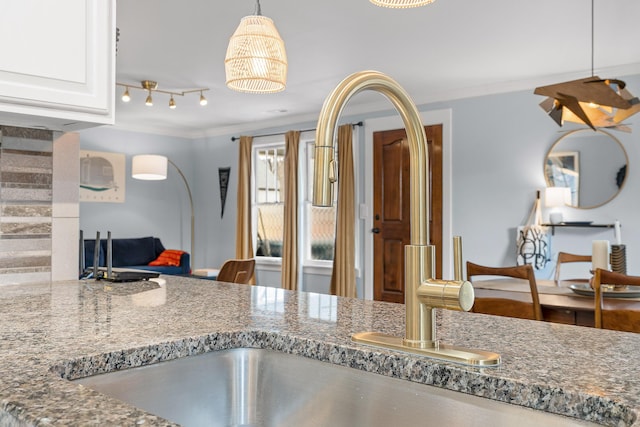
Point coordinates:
[(391, 208)]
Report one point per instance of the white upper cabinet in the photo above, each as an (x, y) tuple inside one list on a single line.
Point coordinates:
[(57, 63)]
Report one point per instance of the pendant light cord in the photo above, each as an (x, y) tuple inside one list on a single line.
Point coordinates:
[(259, 11), (592, 38)]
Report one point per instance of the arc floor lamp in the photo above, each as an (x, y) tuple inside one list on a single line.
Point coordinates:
[(153, 167)]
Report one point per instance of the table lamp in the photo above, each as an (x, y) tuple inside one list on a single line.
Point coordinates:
[(555, 197)]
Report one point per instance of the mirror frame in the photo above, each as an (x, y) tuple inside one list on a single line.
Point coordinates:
[(571, 132)]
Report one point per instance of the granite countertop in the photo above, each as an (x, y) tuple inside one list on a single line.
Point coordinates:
[(54, 332)]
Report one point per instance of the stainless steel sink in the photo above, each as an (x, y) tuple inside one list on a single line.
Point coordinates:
[(253, 387)]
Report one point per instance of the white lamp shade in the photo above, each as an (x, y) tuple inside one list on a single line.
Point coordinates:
[(149, 167), (557, 196)]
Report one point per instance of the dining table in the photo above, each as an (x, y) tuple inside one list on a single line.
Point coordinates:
[(560, 303)]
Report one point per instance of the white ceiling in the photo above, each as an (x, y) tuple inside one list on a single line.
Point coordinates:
[(447, 50)]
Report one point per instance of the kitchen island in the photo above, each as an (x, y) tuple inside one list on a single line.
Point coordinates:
[(51, 333)]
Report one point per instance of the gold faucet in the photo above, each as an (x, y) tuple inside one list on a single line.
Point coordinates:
[(422, 291)]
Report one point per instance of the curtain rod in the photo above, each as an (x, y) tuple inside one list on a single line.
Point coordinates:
[(235, 138)]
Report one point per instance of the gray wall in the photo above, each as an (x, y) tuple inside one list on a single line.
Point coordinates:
[(499, 145), (151, 208)]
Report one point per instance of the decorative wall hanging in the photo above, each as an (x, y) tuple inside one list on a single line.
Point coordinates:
[(534, 240), (102, 177), (223, 177)]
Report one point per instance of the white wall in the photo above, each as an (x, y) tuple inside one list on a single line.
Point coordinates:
[(499, 146)]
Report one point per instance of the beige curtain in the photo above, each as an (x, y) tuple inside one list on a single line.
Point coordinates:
[(244, 239), (290, 238), (343, 277)]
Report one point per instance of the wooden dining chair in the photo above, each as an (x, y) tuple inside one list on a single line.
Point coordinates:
[(566, 257), (504, 306), (237, 271), (619, 319)]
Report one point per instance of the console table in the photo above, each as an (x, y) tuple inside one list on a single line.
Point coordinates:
[(577, 224)]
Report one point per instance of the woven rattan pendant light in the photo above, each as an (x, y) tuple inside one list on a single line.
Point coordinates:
[(401, 4), (256, 61)]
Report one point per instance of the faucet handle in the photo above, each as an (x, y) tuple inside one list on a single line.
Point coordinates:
[(456, 294), (457, 258), (333, 174), (450, 294)]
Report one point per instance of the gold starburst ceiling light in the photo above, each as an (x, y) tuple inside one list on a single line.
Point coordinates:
[(593, 101)]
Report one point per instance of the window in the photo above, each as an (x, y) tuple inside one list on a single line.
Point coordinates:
[(269, 199), (316, 224)]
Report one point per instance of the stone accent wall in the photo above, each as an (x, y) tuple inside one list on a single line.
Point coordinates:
[(26, 182)]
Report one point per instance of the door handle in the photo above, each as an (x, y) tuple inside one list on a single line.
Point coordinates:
[(375, 230)]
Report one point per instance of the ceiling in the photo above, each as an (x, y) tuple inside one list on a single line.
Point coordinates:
[(450, 49)]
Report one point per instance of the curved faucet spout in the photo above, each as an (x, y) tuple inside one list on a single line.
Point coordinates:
[(418, 150), (422, 291)]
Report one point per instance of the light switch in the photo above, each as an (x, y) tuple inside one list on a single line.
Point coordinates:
[(364, 211)]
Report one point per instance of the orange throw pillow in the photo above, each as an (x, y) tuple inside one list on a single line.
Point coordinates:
[(168, 257)]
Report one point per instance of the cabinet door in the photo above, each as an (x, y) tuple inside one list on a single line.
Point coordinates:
[(57, 66)]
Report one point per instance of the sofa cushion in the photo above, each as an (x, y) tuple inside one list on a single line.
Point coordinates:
[(129, 252), (168, 257), (159, 247)]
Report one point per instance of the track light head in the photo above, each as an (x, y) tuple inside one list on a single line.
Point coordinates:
[(203, 100), (172, 103), (149, 101), (125, 96)]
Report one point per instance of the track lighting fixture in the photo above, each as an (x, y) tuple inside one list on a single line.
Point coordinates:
[(151, 87)]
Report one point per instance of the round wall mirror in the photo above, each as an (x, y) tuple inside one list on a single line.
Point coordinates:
[(593, 164)]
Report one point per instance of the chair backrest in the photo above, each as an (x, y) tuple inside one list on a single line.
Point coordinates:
[(237, 271), (618, 319), (564, 257), (504, 306)]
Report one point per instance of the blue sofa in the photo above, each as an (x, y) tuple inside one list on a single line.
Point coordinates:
[(135, 253)]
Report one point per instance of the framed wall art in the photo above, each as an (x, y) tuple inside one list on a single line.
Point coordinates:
[(102, 177), (562, 169)]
